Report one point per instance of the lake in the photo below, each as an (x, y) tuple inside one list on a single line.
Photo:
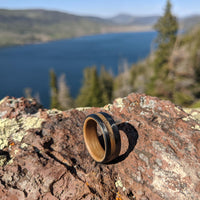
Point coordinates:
[(28, 66)]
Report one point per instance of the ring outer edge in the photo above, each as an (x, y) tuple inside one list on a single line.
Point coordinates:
[(106, 137)]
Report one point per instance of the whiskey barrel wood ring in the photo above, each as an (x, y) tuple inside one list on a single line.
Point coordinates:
[(107, 149)]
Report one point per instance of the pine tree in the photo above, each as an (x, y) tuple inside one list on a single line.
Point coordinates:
[(167, 28), (64, 98), (54, 90), (161, 84), (90, 93), (196, 64)]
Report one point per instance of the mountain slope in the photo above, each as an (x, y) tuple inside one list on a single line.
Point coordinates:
[(124, 19), (31, 26), (185, 23), (189, 22), (28, 26)]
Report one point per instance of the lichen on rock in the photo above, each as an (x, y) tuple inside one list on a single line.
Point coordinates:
[(43, 156), (7, 128), (16, 129), (194, 112)]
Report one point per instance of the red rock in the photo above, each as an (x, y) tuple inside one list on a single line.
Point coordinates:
[(159, 159)]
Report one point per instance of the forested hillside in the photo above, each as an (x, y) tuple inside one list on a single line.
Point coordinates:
[(179, 78)]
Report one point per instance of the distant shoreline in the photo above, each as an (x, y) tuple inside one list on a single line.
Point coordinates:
[(137, 30), (23, 27)]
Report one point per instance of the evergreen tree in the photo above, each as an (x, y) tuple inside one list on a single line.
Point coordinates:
[(64, 98), (162, 81), (196, 63), (167, 28), (54, 90), (106, 83), (90, 93)]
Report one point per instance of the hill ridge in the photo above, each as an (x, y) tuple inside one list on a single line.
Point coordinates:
[(25, 26)]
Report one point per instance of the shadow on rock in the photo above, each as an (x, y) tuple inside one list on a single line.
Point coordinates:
[(132, 136)]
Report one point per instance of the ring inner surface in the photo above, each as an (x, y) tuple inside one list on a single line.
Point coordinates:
[(94, 146)]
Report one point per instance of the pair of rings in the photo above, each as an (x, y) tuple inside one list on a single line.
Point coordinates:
[(105, 147)]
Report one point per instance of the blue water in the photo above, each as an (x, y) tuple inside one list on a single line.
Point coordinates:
[(29, 65)]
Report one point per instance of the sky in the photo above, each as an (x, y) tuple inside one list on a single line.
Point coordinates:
[(108, 8)]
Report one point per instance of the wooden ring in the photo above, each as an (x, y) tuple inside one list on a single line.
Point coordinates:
[(110, 147)]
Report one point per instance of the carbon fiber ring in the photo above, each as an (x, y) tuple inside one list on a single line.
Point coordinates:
[(107, 149)]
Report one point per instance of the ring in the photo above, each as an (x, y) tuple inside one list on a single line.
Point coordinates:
[(106, 147)]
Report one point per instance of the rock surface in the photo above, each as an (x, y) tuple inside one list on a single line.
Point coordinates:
[(43, 156)]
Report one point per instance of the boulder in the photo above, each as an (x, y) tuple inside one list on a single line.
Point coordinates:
[(43, 155)]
